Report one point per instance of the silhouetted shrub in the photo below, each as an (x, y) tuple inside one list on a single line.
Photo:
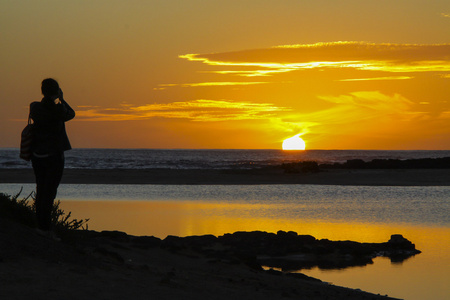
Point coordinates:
[(23, 211), (19, 210)]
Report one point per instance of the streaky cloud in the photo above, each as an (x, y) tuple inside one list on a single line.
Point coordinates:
[(351, 113), (196, 110), (358, 55), (373, 101), (359, 112), (379, 78), (205, 84)]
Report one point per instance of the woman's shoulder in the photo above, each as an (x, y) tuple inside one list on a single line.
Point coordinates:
[(38, 110), (35, 104)]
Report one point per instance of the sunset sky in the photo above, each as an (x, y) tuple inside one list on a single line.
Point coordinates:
[(241, 74)]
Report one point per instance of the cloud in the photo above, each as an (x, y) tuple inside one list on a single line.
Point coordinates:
[(220, 83), (379, 78), (195, 110), (355, 113), (352, 113), (356, 55), (372, 101)]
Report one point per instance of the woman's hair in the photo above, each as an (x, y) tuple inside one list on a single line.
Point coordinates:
[(49, 87)]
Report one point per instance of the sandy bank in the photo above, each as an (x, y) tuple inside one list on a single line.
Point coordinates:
[(385, 177)]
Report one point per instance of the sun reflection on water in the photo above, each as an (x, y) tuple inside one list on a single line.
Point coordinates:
[(186, 218)]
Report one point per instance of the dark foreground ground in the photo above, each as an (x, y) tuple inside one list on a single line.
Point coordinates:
[(114, 265)]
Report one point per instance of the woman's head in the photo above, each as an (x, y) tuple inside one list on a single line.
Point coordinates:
[(50, 87)]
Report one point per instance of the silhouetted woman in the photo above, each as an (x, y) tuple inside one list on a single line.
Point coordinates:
[(49, 143)]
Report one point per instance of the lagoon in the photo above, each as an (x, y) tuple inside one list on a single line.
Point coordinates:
[(359, 213)]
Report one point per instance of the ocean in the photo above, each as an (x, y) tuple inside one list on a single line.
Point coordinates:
[(209, 159)]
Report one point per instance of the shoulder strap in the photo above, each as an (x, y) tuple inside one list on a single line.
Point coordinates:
[(29, 118)]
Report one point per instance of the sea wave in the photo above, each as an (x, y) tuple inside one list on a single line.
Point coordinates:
[(209, 159)]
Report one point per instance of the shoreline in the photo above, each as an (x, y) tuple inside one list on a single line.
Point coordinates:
[(358, 177), (115, 265)]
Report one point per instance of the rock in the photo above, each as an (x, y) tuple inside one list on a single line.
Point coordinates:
[(398, 241), (199, 242), (399, 249), (301, 166), (117, 236), (420, 163), (288, 250), (146, 242), (172, 242)]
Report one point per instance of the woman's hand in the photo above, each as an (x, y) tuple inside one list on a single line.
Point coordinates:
[(61, 95)]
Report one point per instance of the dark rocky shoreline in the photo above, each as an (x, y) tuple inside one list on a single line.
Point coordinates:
[(359, 164), (114, 265), (422, 163), (286, 251)]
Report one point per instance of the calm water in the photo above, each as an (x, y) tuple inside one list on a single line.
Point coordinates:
[(365, 214), (417, 206)]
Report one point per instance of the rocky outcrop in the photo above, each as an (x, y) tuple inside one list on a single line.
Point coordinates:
[(289, 251), (286, 251), (421, 163), (302, 166)]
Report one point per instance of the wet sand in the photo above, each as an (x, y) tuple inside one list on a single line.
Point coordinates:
[(380, 177)]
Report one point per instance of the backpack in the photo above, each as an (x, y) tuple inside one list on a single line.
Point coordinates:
[(27, 140)]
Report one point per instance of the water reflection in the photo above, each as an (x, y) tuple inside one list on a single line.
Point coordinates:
[(422, 277), (363, 214), (339, 204)]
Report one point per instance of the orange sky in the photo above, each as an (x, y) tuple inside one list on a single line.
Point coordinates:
[(232, 74)]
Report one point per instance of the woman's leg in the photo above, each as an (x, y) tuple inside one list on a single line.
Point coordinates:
[(48, 172)]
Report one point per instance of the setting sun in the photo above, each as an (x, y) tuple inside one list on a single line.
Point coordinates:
[(294, 143)]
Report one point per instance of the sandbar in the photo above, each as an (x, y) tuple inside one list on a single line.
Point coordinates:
[(372, 177)]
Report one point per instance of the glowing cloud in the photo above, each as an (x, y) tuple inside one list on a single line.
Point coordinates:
[(372, 100), (356, 55), (195, 110), (199, 84), (379, 78), (365, 113)]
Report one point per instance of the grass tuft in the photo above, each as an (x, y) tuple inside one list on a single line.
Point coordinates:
[(24, 211)]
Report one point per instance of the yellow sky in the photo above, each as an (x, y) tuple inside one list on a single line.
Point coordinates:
[(232, 74)]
